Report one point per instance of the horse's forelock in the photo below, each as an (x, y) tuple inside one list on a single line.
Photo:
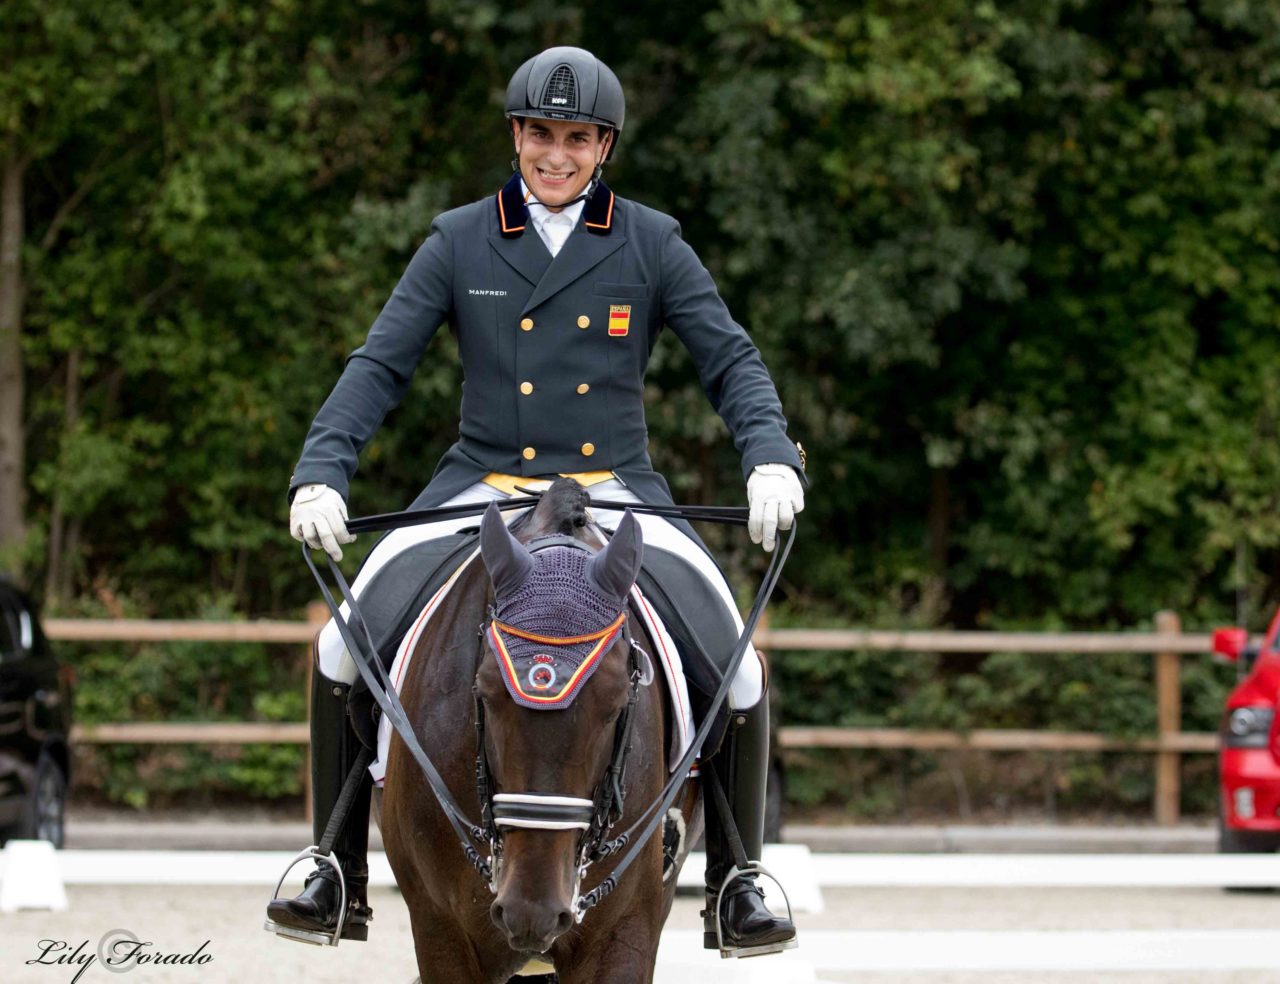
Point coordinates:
[(561, 511)]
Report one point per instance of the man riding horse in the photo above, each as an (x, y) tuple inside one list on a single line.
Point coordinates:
[(556, 290)]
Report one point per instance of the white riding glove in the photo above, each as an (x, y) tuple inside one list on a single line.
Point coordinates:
[(775, 495), (319, 518)]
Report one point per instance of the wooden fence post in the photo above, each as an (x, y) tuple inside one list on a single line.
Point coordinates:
[(317, 615), (1168, 724)]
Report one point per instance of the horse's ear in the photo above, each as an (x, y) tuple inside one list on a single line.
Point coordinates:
[(506, 558), (614, 568)]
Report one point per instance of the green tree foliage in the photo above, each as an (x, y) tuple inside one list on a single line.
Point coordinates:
[(1013, 266)]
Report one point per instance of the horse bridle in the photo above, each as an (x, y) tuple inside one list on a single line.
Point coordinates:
[(608, 801), (594, 817)]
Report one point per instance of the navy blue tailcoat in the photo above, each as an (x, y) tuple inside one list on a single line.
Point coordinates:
[(553, 350)]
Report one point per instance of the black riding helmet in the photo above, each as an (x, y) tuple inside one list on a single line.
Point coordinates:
[(568, 84)]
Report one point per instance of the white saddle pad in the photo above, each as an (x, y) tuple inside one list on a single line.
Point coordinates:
[(667, 655)]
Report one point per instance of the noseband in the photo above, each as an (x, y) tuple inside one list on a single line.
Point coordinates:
[(553, 811)]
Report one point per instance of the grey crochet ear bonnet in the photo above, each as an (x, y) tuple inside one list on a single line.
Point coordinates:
[(558, 608)]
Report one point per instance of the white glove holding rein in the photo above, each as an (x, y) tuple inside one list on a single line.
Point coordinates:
[(318, 518), (775, 495)]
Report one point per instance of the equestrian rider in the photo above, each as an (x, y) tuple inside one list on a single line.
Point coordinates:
[(556, 290)]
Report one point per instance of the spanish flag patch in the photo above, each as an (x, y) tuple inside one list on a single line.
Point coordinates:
[(619, 319)]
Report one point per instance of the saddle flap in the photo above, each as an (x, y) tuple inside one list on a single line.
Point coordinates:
[(396, 594)]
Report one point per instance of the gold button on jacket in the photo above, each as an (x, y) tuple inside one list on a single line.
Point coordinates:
[(584, 321), (530, 454), (588, 450), (526, 388), (583, 387), (526, 324)]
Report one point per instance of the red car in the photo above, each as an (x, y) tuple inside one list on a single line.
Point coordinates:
[(1249, 750)]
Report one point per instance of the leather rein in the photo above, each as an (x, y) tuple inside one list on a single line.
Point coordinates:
[(595, 817)]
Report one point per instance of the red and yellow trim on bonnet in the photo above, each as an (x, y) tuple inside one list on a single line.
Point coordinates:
[(608, 630), (603, 639)]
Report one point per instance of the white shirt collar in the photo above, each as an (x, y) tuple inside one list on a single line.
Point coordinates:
[(541, 215)]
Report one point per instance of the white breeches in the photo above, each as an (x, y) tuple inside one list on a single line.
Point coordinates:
[(336, 663)]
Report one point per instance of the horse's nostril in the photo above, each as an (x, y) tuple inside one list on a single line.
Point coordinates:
[(528, 926)]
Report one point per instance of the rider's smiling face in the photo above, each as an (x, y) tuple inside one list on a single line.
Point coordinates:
[(558, 157)]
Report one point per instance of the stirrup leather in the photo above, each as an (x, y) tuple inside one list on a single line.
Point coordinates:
[(309, 936), (727, 952)]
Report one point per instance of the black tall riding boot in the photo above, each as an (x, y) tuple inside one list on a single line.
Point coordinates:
[(747, 927), (334, 751)]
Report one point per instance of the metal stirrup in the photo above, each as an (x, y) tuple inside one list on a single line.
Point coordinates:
[(735, 873), (302, 935), (742, 868), (323, 853)]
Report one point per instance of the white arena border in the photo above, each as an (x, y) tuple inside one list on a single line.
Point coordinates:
[(1048, 870), (89, 867)]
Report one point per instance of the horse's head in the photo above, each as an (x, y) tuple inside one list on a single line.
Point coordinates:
[(556, 676)]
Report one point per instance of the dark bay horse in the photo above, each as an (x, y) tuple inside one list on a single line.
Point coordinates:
[(463, 931)]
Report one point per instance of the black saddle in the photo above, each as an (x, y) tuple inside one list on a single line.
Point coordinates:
[(703, 630), (398, 592), (392, 600), (693, 613)]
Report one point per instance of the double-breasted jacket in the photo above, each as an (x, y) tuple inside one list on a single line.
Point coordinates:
[(553, 350)]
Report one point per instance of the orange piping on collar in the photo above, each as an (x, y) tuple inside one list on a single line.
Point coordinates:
[(608, 219), (502, 214)]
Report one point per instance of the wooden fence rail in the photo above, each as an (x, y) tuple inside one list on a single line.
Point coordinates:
[(1167, 644), (149, 630)]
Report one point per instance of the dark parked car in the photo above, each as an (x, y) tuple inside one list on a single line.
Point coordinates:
[(35, 721)]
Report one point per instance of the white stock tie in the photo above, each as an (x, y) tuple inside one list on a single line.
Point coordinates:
[(556, 228)]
